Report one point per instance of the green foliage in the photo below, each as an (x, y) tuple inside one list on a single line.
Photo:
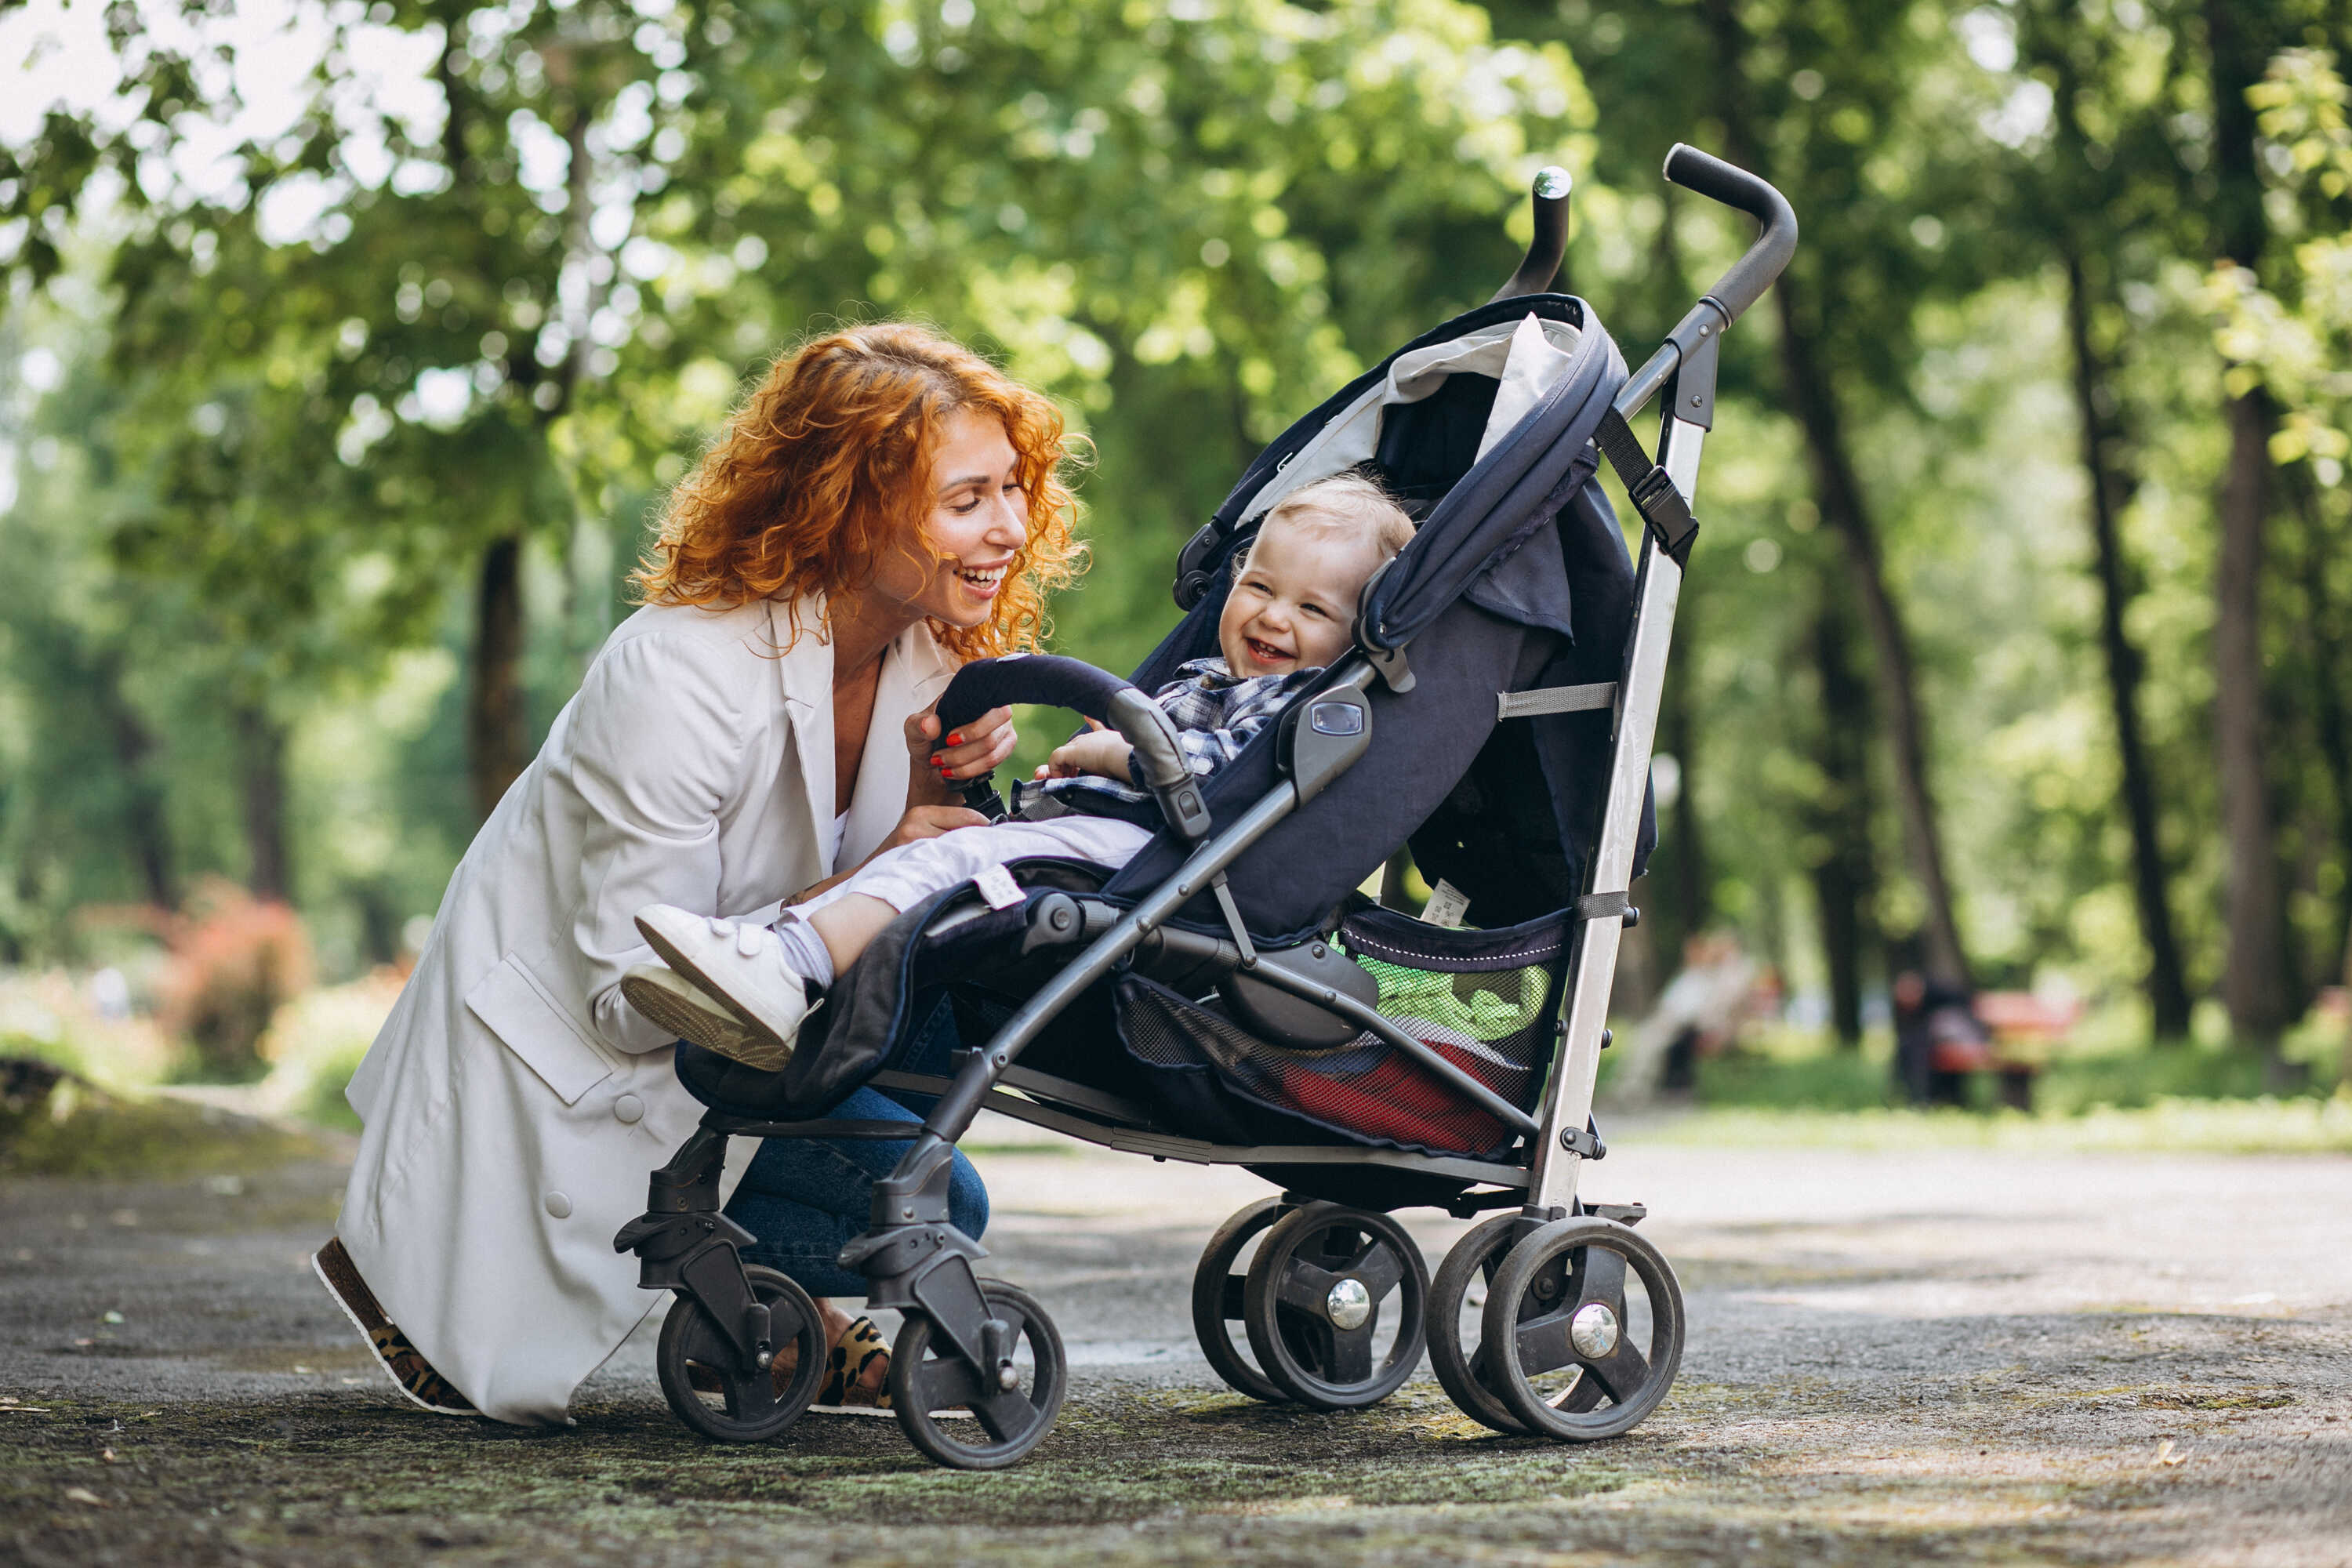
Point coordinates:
[(269, 413)]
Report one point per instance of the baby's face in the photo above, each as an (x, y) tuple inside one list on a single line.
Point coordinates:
[(1294, 602)]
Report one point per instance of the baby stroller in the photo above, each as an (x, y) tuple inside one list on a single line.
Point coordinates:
[(1230, 997)]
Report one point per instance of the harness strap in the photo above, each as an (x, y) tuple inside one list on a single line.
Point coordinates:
[(1654, 493), (1555, 699)]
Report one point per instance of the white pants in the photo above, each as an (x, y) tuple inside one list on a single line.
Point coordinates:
[(905, 877)]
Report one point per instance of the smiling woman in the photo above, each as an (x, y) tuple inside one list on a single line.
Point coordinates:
[(882, 505)]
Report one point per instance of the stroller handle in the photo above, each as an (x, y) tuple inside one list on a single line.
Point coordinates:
[(1745, 282), (1549, 244), (1052, 680)]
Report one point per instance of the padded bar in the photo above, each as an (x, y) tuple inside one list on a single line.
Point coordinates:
[(1555, 699), (1046, 679)]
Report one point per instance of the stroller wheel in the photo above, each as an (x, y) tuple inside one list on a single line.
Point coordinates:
[(1584, 1329), (1466, 1371), (1219, 1295), (1013, 1420), (1315, 1298), (737, 1404)]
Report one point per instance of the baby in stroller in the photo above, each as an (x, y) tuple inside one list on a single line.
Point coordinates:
[(744, 991)]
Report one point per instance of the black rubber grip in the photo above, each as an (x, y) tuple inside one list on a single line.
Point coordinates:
[(1046, 679), (1548, 245), (1748, 277)]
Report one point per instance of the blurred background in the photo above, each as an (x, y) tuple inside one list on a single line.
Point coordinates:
[(347, 350)]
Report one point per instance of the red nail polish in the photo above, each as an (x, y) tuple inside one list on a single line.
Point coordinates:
[(955, 739)]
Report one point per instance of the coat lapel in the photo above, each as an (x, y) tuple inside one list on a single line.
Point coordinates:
[(805, 680), (913, 673)]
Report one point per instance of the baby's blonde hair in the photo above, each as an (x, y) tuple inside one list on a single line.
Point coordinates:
[(1343, 501)]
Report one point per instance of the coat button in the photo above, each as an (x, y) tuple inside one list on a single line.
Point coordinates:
[(558, 1205), (628, 1108)]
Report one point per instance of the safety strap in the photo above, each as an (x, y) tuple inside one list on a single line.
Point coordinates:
[(1555, 699), (1654, 496)]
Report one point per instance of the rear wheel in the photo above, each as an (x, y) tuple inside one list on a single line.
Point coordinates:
[(1335, 1305), (1583, 1330), (1220, 1293), (1457, 1316)]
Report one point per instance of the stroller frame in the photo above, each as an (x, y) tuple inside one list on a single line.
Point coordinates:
[(1555, 1266)]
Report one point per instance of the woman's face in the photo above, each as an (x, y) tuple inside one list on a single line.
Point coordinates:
[(979, 518)]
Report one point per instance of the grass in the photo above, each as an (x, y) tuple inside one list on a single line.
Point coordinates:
[(1793, 1088)]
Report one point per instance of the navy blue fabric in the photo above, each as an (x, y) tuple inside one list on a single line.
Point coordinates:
[(1515, 490), (1519, 578)]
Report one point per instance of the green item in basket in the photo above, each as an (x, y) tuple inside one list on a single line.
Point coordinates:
[(1467, 1004)]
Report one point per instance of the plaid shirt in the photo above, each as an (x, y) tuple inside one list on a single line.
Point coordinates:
[(1216, 714)]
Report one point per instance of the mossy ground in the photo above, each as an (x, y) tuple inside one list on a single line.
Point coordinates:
[(2013, 1469)]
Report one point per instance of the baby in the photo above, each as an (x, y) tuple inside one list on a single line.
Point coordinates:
[(743, 991)]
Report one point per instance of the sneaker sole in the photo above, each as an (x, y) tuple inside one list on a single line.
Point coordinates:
[(724, 1032), (757, 1031)]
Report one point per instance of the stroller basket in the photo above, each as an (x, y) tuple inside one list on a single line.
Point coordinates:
[(1485, 1001)]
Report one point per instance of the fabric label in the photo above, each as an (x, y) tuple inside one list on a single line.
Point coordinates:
[(997, 886), (1446, 905)]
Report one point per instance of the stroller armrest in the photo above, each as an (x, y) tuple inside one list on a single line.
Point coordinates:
[(1059, 682)]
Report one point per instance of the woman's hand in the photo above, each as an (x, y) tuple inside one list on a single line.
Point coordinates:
[(939, 764), (1102, 752), (928, 822)]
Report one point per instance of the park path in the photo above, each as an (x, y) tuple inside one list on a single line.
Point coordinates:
[(1947, 1354)]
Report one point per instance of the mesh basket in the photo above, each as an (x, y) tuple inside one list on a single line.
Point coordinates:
[(1483, 999)]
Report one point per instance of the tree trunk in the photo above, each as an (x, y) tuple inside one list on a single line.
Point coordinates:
[(2255, 979), (2168, 990), (1839, 489), (2255, 984), (496, 735), (144, 819), (1845, 880), (2331, 724), (262, 798)]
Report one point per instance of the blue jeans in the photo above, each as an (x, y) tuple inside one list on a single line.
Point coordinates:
[(804, 1199)]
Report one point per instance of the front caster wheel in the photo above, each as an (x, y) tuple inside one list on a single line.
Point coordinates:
[(1583, 1330), (1015, 1420), (709, 1387), (1315, 1298), (1220, 1297), (1465, 1371)]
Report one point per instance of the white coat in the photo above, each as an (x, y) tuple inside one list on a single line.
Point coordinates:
[(513, 1103)]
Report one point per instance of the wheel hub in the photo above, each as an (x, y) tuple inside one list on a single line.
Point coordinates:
[(1593, 1329), (1349, 1304)]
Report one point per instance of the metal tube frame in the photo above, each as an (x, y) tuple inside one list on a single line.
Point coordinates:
[(1593, 965)]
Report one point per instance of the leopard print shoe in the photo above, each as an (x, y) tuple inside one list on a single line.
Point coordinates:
[(410, 1372), (847, 1390)]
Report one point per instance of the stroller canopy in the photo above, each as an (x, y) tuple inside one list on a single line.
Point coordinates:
[(1518, 578)]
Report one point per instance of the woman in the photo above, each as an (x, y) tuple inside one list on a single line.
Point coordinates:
[(886, 505)]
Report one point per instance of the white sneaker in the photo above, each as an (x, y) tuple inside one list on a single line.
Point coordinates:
[(759, 1000), (672, 1002)]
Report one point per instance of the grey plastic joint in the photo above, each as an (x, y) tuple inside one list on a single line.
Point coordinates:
[(1157, 762)]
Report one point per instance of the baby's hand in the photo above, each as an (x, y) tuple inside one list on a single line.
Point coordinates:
[(1101, 752)]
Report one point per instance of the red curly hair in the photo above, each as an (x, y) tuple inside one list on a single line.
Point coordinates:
[(829, 464)]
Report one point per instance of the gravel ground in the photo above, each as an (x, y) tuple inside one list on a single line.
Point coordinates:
[(1951, 1355)]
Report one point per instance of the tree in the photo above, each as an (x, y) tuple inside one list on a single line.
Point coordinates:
[(2105, 200)]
